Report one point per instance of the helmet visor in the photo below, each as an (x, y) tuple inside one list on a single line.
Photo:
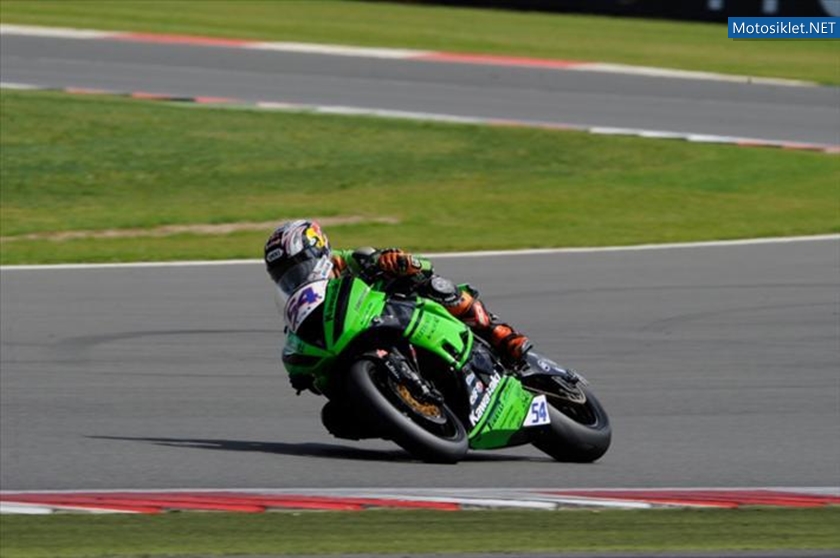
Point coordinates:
[(301, 273)]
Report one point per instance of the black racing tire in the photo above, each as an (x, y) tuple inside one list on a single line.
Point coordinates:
[(580, 435), (367, 385)]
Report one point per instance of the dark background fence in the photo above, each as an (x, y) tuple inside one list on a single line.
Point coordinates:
[(708, 10)]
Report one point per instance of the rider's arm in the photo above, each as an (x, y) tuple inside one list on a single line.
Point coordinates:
[(390, 262), (342, 260)]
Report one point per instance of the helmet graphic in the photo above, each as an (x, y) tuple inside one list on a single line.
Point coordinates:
[(297, 253)]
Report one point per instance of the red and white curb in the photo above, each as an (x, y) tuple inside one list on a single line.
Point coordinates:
[(264, 500), (435, 117), (391, 53)]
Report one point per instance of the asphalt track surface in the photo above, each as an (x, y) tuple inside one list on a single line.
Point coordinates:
[(796, 114), (718, 365)]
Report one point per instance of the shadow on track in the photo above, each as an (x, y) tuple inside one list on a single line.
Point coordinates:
[(328, 451)]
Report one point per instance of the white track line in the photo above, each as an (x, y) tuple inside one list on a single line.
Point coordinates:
[(27, 509), (650, 71), (57, 32), (18, 86), (445, 255), (338, 50)]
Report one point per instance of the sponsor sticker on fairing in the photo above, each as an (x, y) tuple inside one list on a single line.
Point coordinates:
[(475, 386), (479, 409)]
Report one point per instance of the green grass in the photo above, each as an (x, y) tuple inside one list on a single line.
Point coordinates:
[(692, 46), (96, 163), (213, 534)]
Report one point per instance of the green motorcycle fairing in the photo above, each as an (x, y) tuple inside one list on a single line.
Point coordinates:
[(344, 309), (347, 309)]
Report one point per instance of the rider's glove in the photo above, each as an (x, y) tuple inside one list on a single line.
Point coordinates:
[(396, 263)]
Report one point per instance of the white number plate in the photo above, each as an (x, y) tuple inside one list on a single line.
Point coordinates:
[(538, 414)]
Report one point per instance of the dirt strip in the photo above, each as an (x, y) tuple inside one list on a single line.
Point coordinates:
[(199, 229)]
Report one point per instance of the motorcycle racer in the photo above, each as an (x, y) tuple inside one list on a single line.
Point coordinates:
[(298, 253)]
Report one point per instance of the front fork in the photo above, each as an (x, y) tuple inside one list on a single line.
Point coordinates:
[(404, 369)]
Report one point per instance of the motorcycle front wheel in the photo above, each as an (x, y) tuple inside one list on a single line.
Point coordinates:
[(428, 431), (579, 431)]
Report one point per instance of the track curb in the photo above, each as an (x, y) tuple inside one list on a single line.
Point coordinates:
[(265, 500), (337, 110)]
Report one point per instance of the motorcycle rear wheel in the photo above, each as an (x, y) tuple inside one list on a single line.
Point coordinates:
[(428, 432), (578, 433)]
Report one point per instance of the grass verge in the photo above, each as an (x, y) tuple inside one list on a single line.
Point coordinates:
[(691, 46), (77, 163), (405, 532)]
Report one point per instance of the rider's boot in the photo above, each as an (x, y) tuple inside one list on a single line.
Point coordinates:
[(510, 344), (343, 422)]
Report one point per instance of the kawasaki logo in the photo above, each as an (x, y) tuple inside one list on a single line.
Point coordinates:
[(478, 411)]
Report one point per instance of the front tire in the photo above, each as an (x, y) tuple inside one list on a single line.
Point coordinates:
[(428, 432), (578, 433)]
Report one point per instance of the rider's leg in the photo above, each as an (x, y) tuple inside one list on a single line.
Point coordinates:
[(465, 305)]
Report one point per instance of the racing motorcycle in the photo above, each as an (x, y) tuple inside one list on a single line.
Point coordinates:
[(400, 367)]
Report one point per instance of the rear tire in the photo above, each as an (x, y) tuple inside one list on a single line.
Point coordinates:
[(441, 439), (578, 433)]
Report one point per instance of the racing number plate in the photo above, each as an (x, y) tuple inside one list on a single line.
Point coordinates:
[(538, 413)]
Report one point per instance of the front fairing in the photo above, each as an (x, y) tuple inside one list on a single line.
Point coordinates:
[(349, 308), (322, 323)]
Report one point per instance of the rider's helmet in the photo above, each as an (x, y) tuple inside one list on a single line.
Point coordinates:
[(297, 253)]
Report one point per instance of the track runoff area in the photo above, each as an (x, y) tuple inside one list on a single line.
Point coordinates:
[(156, 501)]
